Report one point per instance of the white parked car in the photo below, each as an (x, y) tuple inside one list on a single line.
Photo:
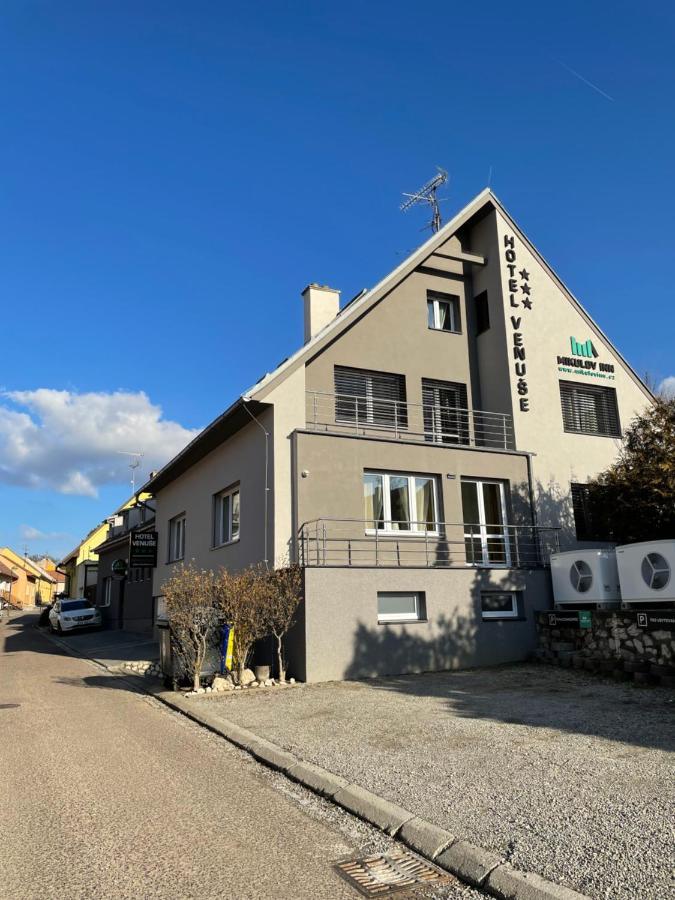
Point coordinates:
[(67, 615)]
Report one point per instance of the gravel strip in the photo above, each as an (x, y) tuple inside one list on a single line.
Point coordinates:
[(564, 774)]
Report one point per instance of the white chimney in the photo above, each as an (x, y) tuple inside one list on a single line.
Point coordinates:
[(322, 304)]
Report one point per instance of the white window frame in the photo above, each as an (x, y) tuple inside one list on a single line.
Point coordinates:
[(219, 539), (512, 613), (401, 617), (436, 300), (176, 538), (482, 532), (417, 528), (107, 591)]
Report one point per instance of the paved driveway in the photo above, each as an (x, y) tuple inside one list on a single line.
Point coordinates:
[(112, 647), (569, 775)]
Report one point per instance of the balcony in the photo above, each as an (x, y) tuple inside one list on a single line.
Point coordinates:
[(446, 545), (434, 423)]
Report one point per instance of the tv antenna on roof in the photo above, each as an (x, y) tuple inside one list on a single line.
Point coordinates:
[(427, 194), (136, 458)]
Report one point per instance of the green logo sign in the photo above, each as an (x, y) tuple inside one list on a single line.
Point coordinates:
[(119, 567), (586, 349), (585, 618)]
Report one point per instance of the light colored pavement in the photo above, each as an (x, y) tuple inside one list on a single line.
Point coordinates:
[(565, 774), (112, 648), (107, 794)]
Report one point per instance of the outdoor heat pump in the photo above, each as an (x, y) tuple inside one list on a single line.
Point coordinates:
[(585, 577), (647, 571)]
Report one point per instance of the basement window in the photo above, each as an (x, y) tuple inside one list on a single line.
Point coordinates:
[(401, 606), (499, 605)]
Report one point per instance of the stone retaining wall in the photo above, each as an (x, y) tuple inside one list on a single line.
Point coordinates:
[(621, 642)]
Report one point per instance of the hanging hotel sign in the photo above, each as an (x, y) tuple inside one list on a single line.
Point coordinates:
[(584, 361), (142, 549), (520, 298)]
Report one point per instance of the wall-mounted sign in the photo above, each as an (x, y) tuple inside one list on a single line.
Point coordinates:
[(585, 618), (142, 549), (584, 361), (520, 297), (119, 567)]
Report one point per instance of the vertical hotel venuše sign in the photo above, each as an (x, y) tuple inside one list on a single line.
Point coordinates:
[(520, 303)]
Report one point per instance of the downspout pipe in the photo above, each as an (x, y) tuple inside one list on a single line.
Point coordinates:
[(267, 487)]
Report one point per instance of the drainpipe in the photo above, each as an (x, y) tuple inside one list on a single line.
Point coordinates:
[(267, 488)]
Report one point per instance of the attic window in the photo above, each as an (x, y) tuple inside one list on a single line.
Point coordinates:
[(443, 312)]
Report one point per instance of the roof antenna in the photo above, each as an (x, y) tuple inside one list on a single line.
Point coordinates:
[(427, 194), (136, 458)]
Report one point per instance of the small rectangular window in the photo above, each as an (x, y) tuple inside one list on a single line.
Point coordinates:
[(443, 312), (499, 605), (401, 606), (226, 517), (589, 409), (107, 592), (482, 312), (177, 538)]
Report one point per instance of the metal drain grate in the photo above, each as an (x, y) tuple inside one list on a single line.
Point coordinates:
[(387, 873)]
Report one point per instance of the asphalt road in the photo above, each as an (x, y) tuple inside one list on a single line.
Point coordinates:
[(108, 794)]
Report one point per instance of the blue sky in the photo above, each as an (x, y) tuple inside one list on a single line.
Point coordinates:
[(175, 173)]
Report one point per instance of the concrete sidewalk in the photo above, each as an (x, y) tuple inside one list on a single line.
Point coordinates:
[(111, 648)]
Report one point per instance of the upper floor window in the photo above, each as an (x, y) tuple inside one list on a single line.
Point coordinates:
[(443, 311), (589, 409), (446, 418), (177, 538), (370, 398), (226, 517), (400, 503), (482, 312)]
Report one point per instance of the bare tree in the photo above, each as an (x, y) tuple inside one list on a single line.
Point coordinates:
[(241, 602), (282, 596), (193, 617)]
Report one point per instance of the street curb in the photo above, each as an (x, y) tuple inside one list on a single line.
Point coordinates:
[(480, 868)]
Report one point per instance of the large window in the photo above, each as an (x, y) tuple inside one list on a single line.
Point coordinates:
[(486, 538), (589, 409), (401, 606), (400, 503), (370, 398), (443, 312), (226, 517), (177, 538), (446, 419)]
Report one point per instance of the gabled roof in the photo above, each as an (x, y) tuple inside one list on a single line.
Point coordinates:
[(480, 205), (26, 564), (7, 572)]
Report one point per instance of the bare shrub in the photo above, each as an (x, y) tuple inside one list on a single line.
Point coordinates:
[(282, 597), (241, 603), (193, 617)]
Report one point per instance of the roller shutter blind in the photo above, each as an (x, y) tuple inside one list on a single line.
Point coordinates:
[(445, 418), (376, 398), (589, 409)]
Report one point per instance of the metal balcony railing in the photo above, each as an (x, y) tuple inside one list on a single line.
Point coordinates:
[(372, 544), (437, 424)]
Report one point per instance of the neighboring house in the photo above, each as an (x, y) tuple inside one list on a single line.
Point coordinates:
[(49, 566), (415, 456), (126, 602), (80, 566), (7, 579), (33, 586)]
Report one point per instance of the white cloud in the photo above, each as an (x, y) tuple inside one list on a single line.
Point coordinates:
[(667, 387), (28, 533), (69, 442)]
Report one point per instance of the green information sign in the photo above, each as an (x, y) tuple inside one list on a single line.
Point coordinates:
[(585, 619), (119, 567)]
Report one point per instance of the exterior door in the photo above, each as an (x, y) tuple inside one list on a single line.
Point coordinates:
[(486, 539)]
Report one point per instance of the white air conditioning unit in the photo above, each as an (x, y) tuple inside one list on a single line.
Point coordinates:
[(585, 576), (647, 571)]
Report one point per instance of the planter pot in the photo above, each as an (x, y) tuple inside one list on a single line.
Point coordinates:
[(262, 673)]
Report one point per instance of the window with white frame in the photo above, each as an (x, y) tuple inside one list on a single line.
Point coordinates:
[(486, 534), (177, 538), (401, 606), (499, 605), (226, 517), (107, 591), (400, 503), (443, 312)]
